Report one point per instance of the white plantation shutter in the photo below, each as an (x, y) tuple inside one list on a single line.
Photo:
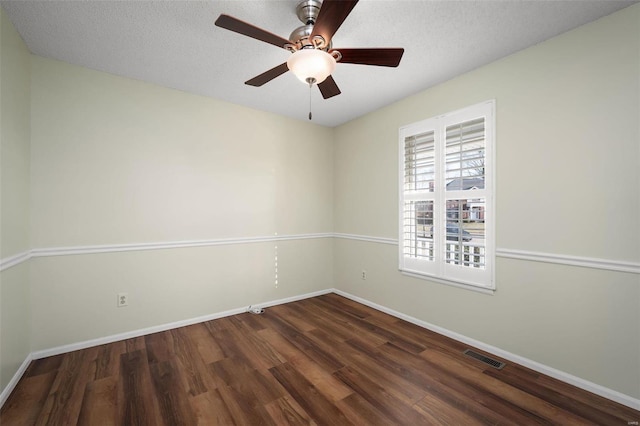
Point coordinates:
[(417, 209), (417, 241), (418, 152), (465, 149), (446, 197), (419, 157)]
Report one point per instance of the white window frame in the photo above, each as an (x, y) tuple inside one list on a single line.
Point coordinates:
[(438, 269)]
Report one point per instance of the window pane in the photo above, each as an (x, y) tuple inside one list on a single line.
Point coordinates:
[(418, 229), (419, 162), (465, 155), (465, 234)]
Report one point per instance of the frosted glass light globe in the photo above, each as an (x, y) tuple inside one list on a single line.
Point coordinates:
[(311, 64)]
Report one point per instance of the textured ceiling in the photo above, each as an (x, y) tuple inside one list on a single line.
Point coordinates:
[(175, 44)]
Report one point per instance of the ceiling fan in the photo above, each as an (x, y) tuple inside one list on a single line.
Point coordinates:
[(313, 58)]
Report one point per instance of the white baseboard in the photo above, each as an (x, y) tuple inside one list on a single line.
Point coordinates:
[(14, 380), (533, 365), (536, 366), (164, 327), (137, 333)]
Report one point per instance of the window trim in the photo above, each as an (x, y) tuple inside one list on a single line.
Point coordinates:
[(438, 270)]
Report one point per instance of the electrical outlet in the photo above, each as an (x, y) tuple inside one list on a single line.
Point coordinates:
[(364, 275), (123, 300)]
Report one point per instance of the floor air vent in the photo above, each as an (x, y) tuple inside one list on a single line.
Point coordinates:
[(489, 361)]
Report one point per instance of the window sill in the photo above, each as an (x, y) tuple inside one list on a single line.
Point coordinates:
[(459, 284)]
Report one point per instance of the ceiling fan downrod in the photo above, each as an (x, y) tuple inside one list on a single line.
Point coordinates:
[(307, 11)]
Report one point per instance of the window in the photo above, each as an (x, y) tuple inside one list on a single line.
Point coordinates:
[(446, 197)]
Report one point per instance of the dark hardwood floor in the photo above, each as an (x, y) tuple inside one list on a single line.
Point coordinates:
[(325, 361)]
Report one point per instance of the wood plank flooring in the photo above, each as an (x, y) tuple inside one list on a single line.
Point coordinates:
[(320, 361)]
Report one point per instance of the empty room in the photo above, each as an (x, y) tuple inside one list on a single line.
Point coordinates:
[(304, 212)]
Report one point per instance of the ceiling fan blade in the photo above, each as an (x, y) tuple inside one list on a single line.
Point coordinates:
[(329, 88), (267, 76), (332, 14), (232, 24), (384, 56)]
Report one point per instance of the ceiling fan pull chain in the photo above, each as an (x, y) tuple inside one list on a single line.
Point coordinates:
[(310, 115), (310, 80)]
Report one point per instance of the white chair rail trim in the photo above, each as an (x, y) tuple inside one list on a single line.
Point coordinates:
[(562, 259), (62, 251), (14, 260)]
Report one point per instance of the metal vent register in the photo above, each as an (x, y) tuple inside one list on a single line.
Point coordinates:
[(489, 361)]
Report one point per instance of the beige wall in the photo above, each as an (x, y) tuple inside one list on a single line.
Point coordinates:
[(568, 183), (166, 286), (15, 314), (119, 161), (15, 116), (115, 161)]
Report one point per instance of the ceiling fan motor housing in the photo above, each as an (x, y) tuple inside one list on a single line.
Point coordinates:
[(307, 11), (300, 34)]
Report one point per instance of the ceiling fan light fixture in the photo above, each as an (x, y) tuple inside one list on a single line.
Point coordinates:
[(311, 65)]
